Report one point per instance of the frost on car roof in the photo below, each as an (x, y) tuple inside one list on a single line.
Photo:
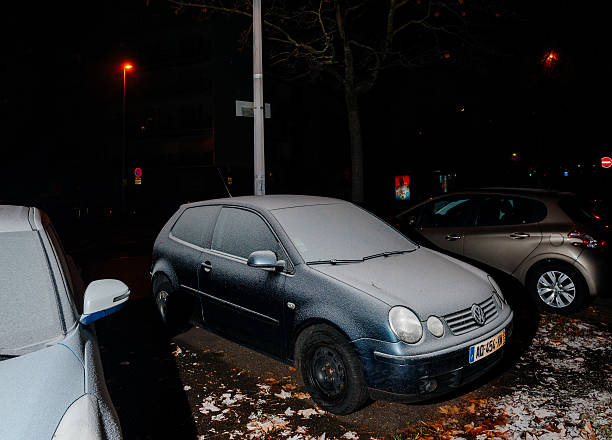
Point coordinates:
[(29, 313), (14, 218)]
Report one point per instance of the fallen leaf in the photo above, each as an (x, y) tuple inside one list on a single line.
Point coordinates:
[(301, 396), (306, 413), (283, 394), (449, 409)]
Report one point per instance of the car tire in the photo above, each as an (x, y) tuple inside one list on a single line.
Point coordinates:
[(173, 306), (330, 369), (557, 288)]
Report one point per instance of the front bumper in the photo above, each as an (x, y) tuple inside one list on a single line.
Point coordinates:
[(414, 378)]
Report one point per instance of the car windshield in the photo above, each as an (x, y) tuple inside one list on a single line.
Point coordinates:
[(340, 231), (29, 315)]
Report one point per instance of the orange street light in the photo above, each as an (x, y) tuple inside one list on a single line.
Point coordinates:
[(126, 67)]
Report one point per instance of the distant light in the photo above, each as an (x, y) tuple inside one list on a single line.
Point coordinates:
[(565, 173), (550, 59), (128, 66), (530, 175)]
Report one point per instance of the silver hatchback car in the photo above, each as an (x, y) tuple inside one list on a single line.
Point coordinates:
[(552, 242)]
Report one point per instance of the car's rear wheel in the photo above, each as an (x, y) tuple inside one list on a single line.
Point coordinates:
[(330, 369), (174, 307), (557, 288)]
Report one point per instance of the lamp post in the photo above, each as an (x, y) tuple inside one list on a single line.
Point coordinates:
[(126, 67), (259, 163)]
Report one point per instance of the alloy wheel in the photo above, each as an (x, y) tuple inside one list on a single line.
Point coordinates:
[(556, 289)]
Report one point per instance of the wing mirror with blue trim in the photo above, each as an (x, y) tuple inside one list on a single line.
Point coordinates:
[(102, 298)]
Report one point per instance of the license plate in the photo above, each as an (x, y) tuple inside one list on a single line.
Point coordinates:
[(485, 348)]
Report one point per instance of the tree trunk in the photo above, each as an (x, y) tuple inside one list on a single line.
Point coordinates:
[(354, 126)]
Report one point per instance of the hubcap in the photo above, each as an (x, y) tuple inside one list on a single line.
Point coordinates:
[(328, 371), (556, 289)]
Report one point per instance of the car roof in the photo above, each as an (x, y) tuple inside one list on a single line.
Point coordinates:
[(15, 218), (519, 191), (270, 202)]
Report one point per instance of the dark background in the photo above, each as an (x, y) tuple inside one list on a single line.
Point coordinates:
[(61, 84)]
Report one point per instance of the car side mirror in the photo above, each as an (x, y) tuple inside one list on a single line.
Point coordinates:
[(265, 260), (103, 297)]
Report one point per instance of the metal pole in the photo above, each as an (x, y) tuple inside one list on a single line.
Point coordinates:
[(123, 148), (258, 105)]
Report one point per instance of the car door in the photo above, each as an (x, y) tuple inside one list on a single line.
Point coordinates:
[(241, 301), (506, 231), (444, 222), (187, 241)]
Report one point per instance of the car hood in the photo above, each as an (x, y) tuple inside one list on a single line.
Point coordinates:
[(37, 389), (426, 281)]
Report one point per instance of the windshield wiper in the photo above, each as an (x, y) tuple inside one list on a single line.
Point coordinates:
[(361, 260), (333, 261), (388, 253)]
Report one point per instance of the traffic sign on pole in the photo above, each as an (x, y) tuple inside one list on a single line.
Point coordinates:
[(606, 162)]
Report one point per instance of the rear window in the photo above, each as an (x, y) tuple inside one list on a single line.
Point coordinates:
[(500, 211), (195, 224), (30, 314), (585, 211)]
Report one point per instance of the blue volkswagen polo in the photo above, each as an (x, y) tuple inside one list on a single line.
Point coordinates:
[(323, 284)]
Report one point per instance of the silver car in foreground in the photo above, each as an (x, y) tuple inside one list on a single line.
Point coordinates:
[(51, 378), (323, 284)]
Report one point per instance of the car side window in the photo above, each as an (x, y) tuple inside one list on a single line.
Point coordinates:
[(195, 224), (240, 232), (448, 212), (501, 211)]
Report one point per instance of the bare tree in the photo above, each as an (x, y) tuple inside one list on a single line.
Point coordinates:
[(351, 42)]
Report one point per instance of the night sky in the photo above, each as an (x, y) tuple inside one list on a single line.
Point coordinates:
[(61, 85)]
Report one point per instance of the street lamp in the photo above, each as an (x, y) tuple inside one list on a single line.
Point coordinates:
[(126, 67)]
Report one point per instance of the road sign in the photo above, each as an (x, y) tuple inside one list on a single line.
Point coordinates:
[(137, 172), (606, 162), (137, 181), (245, 109)]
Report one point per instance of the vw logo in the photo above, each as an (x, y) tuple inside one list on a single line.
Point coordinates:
[(478, 314)]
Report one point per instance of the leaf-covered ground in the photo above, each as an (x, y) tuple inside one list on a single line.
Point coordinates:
[(559, 388)]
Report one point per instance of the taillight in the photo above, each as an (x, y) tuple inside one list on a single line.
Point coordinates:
[(584, 239)]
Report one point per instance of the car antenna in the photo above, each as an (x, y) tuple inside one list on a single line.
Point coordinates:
[(223, 181)]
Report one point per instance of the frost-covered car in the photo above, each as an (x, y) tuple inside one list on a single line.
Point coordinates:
[(51, 378), (323, 284)]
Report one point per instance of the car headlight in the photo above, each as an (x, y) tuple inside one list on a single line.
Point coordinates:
[(435, 326), (497, 295), (405, 324), (81, 421)]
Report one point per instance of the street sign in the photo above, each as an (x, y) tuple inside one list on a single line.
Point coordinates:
[(606, 162), (137, 172), (137, 181), (245, 109)]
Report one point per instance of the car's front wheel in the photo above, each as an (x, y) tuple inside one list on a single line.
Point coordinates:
[(330, 369), (557, 288), (174, 307)]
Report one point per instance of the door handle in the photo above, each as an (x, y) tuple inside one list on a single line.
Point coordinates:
[(453, 237), (518, 235), (207, 266)]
